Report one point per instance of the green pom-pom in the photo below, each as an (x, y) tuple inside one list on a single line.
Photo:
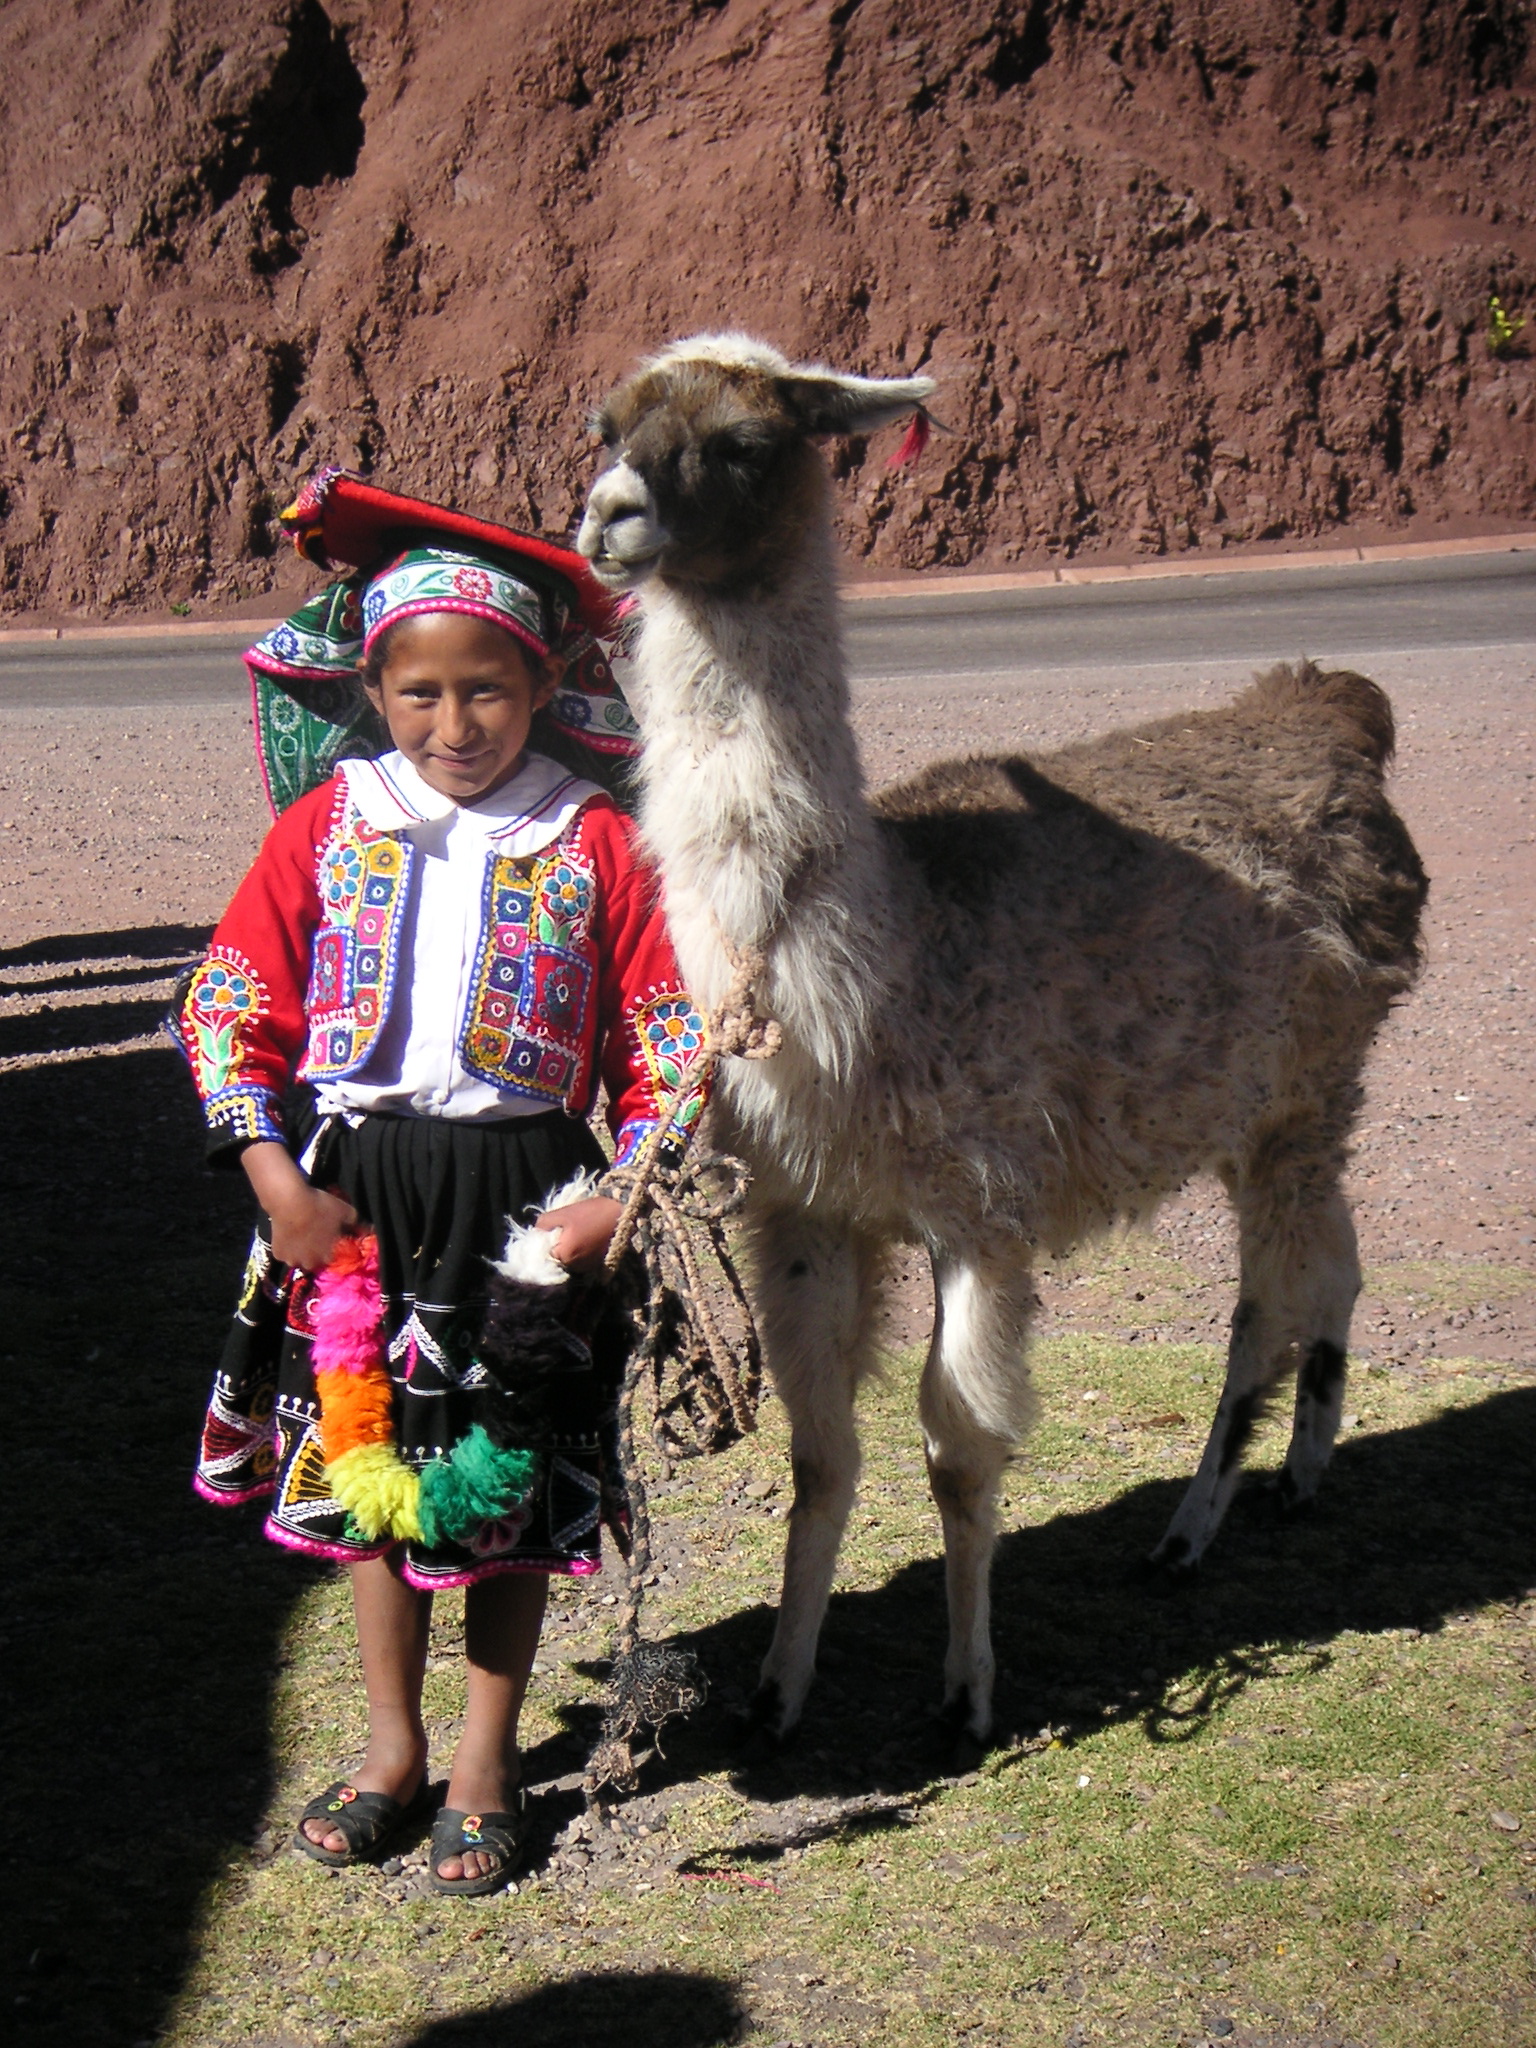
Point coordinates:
[(475, 1483)]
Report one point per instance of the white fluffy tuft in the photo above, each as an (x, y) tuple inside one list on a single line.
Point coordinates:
[(529, 1253)]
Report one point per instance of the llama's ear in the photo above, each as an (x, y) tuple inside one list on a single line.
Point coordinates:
[(825, 403)]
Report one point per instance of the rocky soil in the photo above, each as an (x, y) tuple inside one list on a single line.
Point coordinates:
[(1189, 272)]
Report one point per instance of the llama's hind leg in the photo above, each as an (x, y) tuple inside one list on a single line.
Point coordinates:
[(814, 1294), (975, 1405), (1320, 1375), (1300, 1274)]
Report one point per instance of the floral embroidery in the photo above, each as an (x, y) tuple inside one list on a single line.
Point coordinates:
[(565, 898), (669, 1032), (343, 871), (224, 994), (224, 998)]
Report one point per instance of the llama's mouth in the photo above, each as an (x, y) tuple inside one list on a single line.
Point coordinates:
[(622, 549), (622, 572)]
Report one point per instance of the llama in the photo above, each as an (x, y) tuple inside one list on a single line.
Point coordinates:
[(1019, 1000)]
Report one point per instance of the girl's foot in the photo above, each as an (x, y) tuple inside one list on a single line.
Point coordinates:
[(399, 1773), (484, 1789)]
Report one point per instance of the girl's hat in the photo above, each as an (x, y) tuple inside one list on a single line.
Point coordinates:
[(339, 519), (409, 557)]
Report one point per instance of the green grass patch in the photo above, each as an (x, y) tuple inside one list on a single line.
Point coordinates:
[(1265, 1801)]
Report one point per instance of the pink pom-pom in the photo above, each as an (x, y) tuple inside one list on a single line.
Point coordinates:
[(914, 441), (346, 1313)]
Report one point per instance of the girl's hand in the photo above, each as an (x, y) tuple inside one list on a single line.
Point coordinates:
[(306, 1221), (307, 1230), (582, 1231)]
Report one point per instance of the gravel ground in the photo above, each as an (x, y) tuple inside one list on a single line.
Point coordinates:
[(122, 835)]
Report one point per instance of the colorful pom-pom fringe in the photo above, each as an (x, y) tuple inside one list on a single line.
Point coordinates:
[(475, 1482)]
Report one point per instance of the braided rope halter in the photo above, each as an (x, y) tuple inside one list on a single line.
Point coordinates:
[(708, 1400)]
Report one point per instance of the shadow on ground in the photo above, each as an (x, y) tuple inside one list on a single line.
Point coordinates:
[(621, 2009), (142, 1630), (1413, 1526)]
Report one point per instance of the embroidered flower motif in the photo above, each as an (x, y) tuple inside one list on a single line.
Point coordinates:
[(565, 894), (671, 1033), (678, 1030), (473, 583), (343, 874), (224, 989), (222, 994)]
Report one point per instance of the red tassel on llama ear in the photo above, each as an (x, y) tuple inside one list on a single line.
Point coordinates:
[(914, 441)]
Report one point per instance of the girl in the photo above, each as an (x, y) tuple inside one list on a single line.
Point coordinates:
[(446, 946)]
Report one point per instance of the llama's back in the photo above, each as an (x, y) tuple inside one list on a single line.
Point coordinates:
[(1179, 935), (1280, 791)]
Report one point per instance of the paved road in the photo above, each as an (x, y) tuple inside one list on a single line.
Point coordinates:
[(1332, 614)]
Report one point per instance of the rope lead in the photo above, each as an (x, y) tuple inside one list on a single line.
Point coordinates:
[(708, 1400)]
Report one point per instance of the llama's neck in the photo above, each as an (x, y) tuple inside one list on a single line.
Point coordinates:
[(754, 803)]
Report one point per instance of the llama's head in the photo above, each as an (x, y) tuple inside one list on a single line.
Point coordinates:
[(712, 473)]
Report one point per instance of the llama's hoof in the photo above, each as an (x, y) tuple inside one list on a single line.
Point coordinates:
[(1169, 1568), (763, 1725), (963, 1723), (1283, 1497)]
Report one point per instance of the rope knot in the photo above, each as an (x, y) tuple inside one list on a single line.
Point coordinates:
[(736, 1031)]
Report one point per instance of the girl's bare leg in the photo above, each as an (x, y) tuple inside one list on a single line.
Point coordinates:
[(502, 1619), (393, 1627)]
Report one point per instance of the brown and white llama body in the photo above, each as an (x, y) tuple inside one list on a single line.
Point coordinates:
[(1019, 1001)]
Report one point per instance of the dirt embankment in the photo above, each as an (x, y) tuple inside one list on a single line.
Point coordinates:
[(1189, 272)]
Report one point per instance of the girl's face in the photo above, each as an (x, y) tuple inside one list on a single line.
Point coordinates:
[(458, 695)]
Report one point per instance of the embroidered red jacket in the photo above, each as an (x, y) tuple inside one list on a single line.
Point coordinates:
[(573, 976)]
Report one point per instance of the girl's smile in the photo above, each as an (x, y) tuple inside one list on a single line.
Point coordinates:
[(458, 695)]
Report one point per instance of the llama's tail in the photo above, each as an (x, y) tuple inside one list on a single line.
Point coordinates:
[(1358, 709)]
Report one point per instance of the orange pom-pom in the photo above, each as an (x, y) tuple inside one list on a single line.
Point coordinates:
[(358, 1253), (355, 1408)]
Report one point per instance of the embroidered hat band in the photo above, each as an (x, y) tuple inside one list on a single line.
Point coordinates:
[(443, 580)]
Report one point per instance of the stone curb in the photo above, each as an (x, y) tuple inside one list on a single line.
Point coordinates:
[(916, 587), (1224, 565)]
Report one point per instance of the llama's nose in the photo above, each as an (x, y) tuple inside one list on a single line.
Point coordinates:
[(619, 519)]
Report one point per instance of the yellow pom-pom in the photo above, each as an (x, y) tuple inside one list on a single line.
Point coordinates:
[(379, 1492)]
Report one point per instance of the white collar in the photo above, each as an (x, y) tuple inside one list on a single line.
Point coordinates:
[(523, 816)]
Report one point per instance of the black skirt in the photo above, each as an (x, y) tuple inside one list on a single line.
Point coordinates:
[(438, 1195)]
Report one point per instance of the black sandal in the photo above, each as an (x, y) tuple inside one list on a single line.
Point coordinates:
[(497, 1834), (368, 1820)]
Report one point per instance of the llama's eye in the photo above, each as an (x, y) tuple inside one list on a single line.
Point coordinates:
[(740, 444)]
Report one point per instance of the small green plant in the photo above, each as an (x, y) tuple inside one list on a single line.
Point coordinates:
[(1503, 329), (181, 611)]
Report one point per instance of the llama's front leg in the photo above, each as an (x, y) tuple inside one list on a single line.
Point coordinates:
[(975, 1405), (814, 1289), (1300, 1277)]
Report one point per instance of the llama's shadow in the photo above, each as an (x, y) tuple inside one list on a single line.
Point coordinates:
[(1413, 1525)]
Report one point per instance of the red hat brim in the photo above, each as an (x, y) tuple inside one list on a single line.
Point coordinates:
[(337, 518)]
